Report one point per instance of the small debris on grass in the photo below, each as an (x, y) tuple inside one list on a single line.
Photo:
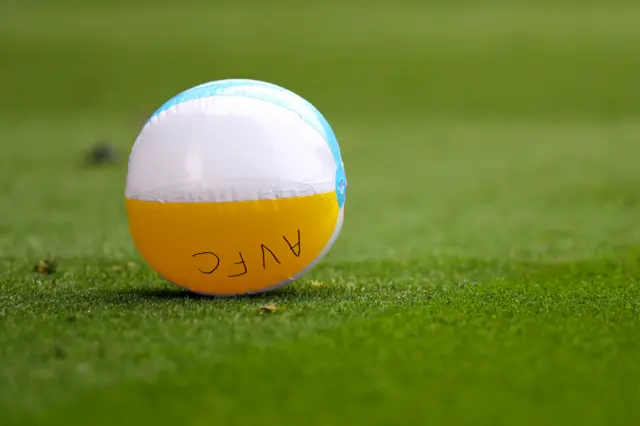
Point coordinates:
[(128, 265), (316, 283), (101, 153), (59, 351), (46, 266), (268, 309)]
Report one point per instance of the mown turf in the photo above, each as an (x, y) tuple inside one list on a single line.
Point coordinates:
[(488, 271)]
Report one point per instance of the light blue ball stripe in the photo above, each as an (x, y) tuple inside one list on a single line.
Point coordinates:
[(277, 95)]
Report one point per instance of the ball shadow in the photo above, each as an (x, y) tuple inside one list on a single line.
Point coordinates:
[(175, 293)]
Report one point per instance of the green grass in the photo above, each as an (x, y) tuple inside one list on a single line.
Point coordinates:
[(489, 268)]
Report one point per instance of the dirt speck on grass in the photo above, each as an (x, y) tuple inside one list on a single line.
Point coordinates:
[(46, 266), (101, 153), (128, 265), (268, 309)]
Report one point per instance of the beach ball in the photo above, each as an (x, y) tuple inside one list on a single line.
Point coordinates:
[(234, 187)]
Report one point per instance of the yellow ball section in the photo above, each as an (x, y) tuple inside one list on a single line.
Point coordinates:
[(229, 248)]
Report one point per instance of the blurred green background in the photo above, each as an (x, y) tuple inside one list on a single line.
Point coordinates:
[(474, 134), (357, 59)]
